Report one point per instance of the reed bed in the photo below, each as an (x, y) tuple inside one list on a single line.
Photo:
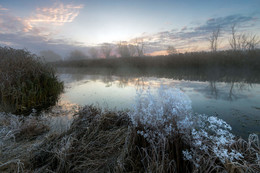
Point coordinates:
[(26, 82)]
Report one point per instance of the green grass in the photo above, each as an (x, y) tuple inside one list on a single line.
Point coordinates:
[(26, 82)]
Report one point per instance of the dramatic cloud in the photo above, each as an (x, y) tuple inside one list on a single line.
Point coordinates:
[(49, 27), (194, 37), (57, 15), (38, 32), (45, 20)]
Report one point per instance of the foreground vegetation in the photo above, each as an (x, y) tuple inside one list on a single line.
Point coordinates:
[(155, 136), (26, 82)]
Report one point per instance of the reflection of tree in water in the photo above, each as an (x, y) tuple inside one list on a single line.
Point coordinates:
[(140, 83), (108, 80), (231, 93), (234, 88), (213, 89), (125, 81)]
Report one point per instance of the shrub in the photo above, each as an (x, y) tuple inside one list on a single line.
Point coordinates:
[(168, 136), (26, 82)]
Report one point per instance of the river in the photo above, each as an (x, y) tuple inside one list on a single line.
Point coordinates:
[(235, 101)]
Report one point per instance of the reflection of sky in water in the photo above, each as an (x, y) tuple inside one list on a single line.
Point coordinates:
[(236, 103)]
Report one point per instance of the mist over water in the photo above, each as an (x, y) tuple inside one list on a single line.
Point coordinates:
[(236, 100)]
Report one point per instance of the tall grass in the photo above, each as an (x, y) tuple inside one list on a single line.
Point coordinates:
[(26, 82)]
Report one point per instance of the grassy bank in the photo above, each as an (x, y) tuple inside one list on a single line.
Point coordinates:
[(26, 82), (141, 140), (107, 142)]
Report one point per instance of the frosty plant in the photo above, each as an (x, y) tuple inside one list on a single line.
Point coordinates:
[(161, 113), (166, 114)]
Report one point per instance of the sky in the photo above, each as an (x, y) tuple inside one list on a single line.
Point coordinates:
[(63, 26)]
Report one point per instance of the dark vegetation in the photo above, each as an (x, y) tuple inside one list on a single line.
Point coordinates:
[(26, 82), (193, 60), (227, 66)]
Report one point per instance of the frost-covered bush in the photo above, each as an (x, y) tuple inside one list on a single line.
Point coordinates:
[(211, 137), (161, 113), (166, 114)]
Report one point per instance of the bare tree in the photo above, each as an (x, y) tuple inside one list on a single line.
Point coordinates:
[(233, 39), (171, 50), (213, 39), (252, 42), (93, 52), (243, 42), (106, 49), (132, 50), (123, 49), (139, 45)]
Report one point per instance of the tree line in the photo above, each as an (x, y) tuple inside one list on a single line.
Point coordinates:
[(238, 42)]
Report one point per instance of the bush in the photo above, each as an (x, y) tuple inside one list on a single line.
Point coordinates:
[(26, 82), (168, 136)]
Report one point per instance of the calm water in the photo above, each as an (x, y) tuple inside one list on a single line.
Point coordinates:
[(238, 103)]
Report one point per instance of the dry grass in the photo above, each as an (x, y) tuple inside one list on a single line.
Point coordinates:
[(93, 144), (251, 153), (19, 135), (105, 141)]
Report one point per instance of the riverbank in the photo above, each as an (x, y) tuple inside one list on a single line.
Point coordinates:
[(107, 142), (198, 61), (142, 140)]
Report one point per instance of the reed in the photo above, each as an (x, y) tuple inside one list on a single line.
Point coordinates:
[(26, 82)]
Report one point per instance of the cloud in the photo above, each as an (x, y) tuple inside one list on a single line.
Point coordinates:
[(38, 31), (46, 19), (194, 37), (224, 22), (58, 14), (184, 28), (2, 8), (10, 24), (37, 43)]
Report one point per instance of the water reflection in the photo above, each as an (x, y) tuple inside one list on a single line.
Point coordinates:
[(236, 100)]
